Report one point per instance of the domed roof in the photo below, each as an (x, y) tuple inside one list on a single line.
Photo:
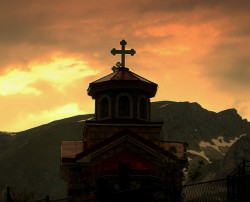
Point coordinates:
[(122, 78)]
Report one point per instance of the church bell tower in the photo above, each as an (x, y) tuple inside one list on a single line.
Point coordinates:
[(122, 94), (122, 152)]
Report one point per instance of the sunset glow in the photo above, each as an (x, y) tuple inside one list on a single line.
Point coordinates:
[(196, 51)]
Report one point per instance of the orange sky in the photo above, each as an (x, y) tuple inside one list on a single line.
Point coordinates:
[(197, 51)]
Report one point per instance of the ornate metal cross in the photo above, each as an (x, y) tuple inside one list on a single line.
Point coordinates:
[(123, 52)]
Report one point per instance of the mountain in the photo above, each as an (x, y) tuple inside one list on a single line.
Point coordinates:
[(212, 137), (239, 151), (31, 159)]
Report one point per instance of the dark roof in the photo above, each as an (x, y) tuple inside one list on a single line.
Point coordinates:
[(122, 78), (122, 74), (69, 149)]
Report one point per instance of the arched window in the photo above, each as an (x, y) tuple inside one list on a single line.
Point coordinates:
[(104, 108), (124, 106), (143, 108)]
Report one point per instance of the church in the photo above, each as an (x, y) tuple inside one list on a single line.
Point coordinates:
[(122, 155)]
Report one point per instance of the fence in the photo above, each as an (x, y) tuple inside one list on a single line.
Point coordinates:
[(210, 191)]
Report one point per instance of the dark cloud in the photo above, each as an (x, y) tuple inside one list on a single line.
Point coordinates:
[(177, 5), (228, 65), (234, 75), (189, 5), (242, 30), (240, 72), (83, 26)]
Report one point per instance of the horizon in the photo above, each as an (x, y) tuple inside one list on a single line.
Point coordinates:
[(196, 51)]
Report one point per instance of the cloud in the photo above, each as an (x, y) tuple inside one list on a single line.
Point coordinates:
[(190, 5), (41, 90), (67, 110), (228, 65), (237, 73), (32, 120), (60, 72)]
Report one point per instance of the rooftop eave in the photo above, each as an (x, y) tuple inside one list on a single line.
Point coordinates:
[(150, 88)]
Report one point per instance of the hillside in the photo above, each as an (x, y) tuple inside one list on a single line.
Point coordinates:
[(31, 159), (212, 137)]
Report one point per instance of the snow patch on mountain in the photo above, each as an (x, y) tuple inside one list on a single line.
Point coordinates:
[(85, 119), (164, 105), (215, 150), (220, 143), (8, 133), (201, 153)]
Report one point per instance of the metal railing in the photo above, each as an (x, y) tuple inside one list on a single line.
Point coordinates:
[(215, 190)]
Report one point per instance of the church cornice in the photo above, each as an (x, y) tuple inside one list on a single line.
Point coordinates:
[(122, 124)]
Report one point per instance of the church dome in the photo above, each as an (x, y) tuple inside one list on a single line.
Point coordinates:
[(120, 79), (122, 94)]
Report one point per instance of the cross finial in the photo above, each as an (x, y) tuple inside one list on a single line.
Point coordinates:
[(123, 52)]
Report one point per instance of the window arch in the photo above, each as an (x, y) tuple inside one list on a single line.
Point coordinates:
[(124, 105), (103, 107)]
